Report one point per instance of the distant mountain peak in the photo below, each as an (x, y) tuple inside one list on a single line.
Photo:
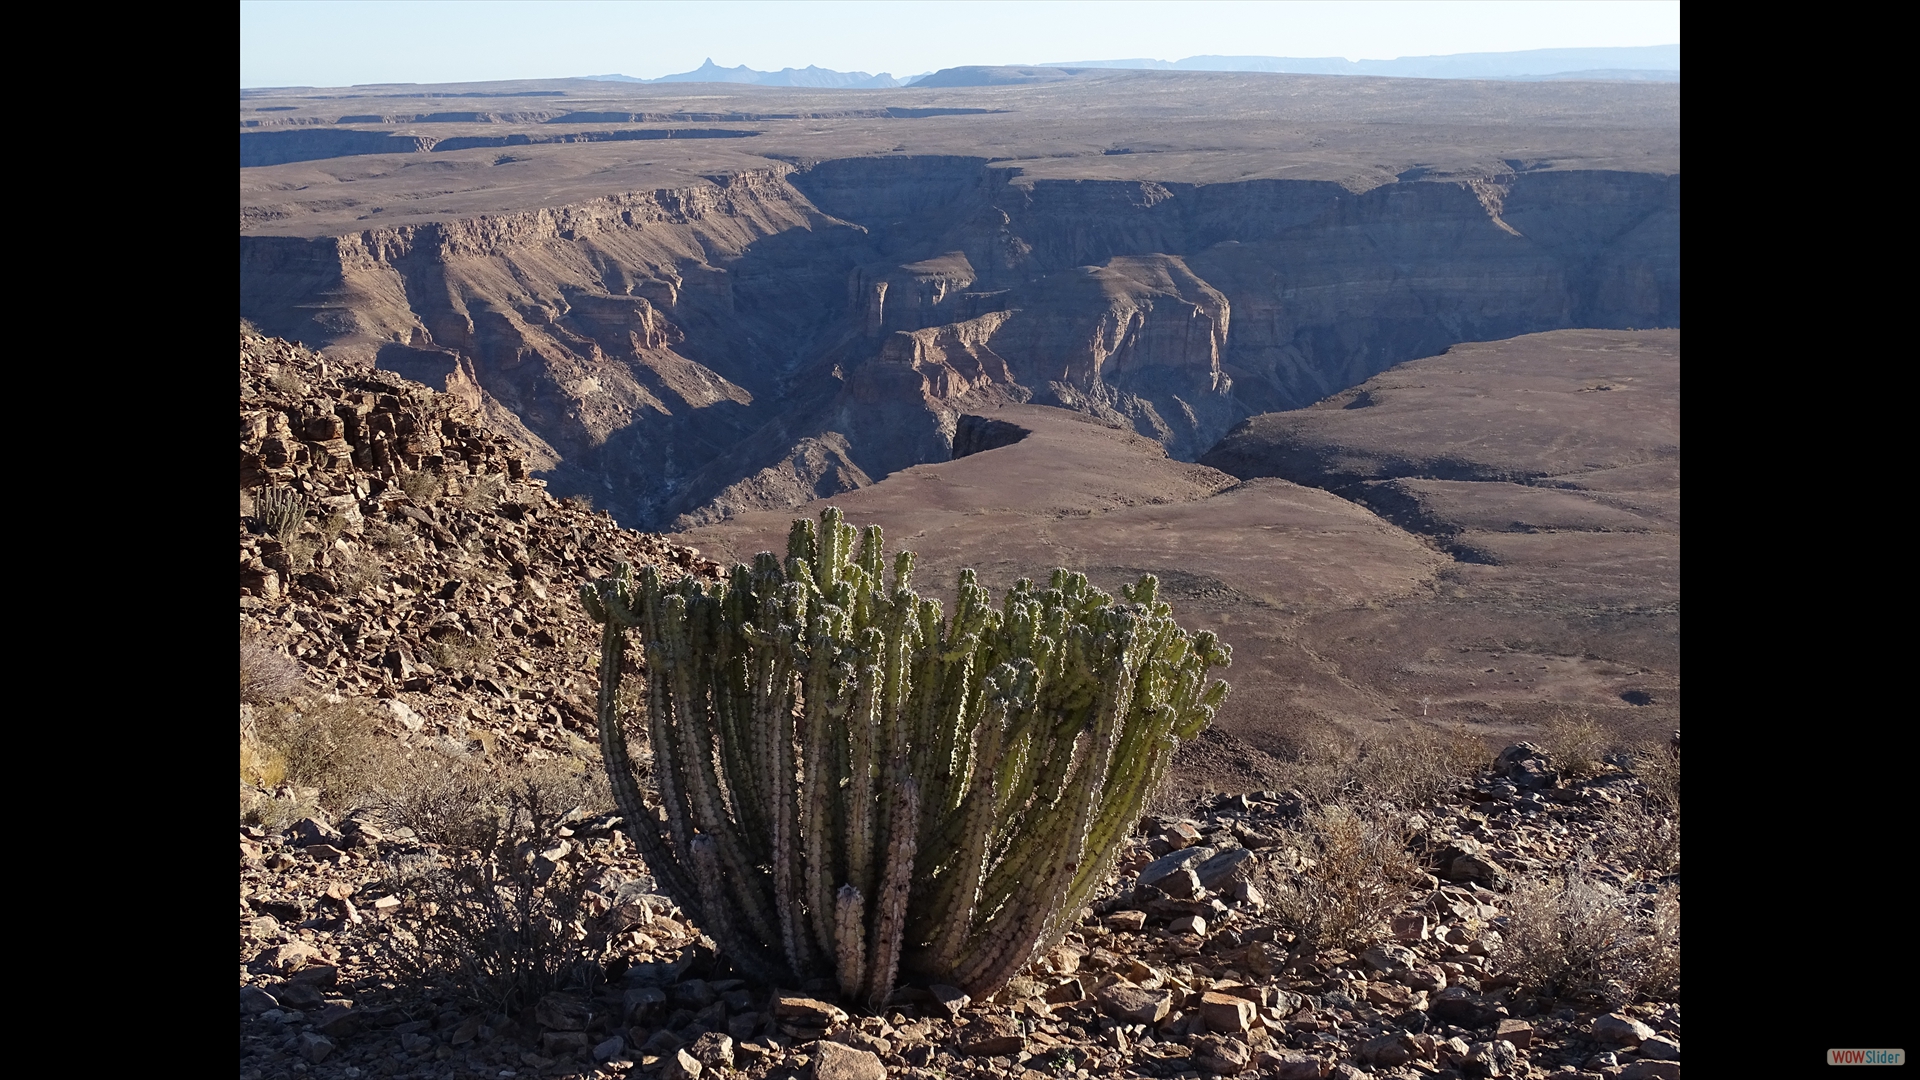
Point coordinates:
[(810, 76), (1629, 62)]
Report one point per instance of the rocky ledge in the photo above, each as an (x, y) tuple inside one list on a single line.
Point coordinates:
[(430, 573)]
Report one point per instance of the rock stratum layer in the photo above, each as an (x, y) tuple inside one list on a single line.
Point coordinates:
[(693, 328)]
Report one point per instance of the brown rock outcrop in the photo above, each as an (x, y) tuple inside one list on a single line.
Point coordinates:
[(429, 570)]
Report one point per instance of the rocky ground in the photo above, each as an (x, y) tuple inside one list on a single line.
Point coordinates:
[(1185, 968), (428, 582), (431, 575)]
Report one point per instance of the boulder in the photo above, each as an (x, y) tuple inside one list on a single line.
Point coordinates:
[(1221, 1056), (1220, 871), (1129, 1003), (1226, 1013), (1151, 874), (1492, 1059), (832, 1061), (1620, 1031)]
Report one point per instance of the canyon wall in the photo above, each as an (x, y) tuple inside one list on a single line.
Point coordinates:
[(770, 337)]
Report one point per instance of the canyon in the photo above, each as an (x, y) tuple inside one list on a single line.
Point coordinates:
[(1131, 321), (1489, 536), (686, 326)]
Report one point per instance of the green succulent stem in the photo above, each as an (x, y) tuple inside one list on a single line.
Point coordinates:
[(846, 784)]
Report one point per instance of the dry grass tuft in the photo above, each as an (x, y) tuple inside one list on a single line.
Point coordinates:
[(461, 653), (287, 382), (332, 528), (260, 766), (360, 572), (390, 536)]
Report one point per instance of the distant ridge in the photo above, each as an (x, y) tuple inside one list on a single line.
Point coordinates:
[(1644, 62), (810, 76)]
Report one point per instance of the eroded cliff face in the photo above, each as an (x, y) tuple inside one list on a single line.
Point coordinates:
[(779, 336)]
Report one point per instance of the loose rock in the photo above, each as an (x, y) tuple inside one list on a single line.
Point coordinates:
[(681, 1066), (1620, 1031), (1134, 1005), (832, 1061)]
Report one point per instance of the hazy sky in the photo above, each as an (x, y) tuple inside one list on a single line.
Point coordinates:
[(343, 42)]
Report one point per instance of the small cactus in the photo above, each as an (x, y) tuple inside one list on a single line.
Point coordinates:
[(850, 785), (281, 511)]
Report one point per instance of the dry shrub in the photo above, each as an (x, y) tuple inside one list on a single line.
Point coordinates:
[(1644, 832), (1412, 767), (579, 500), (332, 528), (260, 766), (501, 913), (1576, 744), (463, 803), (301, 549), (288, 382), (1658, 959), (390, 536), (332, 747), (484, 492), (1658, 769), (278, 809), (460, 653), (360, 572), (1576, 938), (422, 486), (1166, 800), (267, 675), (1357, 870), (1418, 764), (1642, 839), (1318, 759)]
